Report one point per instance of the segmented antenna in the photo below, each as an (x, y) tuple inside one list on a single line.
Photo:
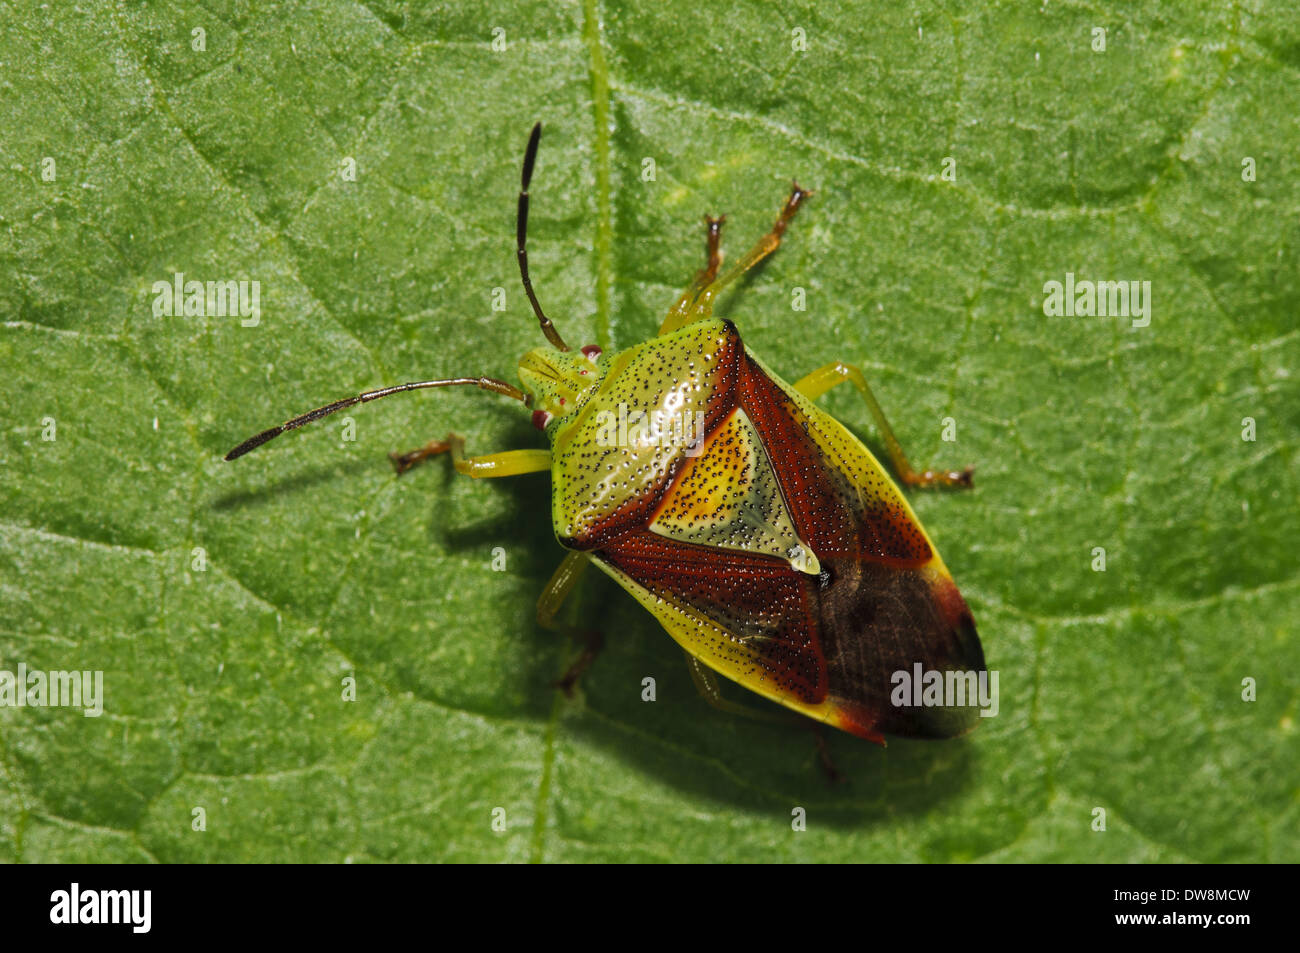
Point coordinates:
[(521, 241), (486, 383)]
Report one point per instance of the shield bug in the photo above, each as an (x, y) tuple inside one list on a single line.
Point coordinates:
[(760, 532)]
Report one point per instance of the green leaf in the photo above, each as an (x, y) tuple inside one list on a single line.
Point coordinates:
[(227, 603)]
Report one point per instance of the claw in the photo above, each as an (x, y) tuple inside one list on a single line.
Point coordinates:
[(405, 461)]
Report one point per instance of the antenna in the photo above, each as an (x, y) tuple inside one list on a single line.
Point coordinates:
[(485, 383), (521, 240)]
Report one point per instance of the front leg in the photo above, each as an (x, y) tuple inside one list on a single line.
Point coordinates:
[(680, 313), (697, 302), (506, 463)]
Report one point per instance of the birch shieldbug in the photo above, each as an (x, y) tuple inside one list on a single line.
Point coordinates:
[(767, 540)]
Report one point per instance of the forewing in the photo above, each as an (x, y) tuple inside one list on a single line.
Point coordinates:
[(885, 601), (745, 615), (715, 560)]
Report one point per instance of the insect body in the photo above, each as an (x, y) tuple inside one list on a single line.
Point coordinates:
[(762, 534)]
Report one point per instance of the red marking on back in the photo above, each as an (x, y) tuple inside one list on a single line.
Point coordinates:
[(818, 496), (758, 600), (950, 601), (858, 720)]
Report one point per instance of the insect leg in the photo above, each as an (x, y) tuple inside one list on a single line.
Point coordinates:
[(506, 463), (680, 313), (824, 754), (548, 605), (703, 306), (837, 372), (404, 461), (706, 683)]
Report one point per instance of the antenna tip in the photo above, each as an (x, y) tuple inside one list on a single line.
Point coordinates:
[(530, 157), (252, 443)]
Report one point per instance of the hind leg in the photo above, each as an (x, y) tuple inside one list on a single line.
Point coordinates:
[(706, 683)]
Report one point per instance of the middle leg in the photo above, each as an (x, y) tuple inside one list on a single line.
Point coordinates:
[(557, 590), (837, 372)]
